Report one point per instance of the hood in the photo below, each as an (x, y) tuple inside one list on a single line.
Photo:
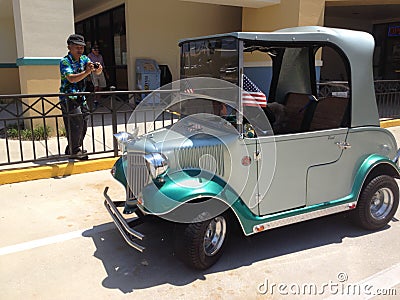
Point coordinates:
[(192, 142)]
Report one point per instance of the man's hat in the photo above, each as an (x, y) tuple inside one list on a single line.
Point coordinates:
[(76, 39)]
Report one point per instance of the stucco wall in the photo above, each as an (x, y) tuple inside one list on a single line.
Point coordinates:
[(9, 81), (289, 13), (8, 53), (9, 76), (42, 27), (271, 18), (154, 33), (39, 79)]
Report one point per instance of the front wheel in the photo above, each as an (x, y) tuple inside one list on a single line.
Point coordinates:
[(200, 244), (378, 203)]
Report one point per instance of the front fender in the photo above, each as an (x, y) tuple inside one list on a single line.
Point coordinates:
[(118, 171), (177, 197), (185, 186)]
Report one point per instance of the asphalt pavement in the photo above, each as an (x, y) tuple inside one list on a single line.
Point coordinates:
[(58, 242)]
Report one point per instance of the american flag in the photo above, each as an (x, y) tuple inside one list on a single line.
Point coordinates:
[(187, 87), (252, 95)]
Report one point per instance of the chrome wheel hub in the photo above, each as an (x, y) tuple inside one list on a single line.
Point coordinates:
[(381, 204), (214, 236)]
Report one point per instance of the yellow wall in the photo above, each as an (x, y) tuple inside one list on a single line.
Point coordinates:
[(9, 78), (311, 12), (9, 81), (271, 18), (40, 80), (289, 13), (154, 33), (8, 53)]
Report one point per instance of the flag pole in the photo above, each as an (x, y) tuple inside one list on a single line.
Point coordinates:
[(241, 73)]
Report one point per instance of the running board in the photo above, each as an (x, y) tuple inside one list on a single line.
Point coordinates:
[(304, 217), (129, 235)]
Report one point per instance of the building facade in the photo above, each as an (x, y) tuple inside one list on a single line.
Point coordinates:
[(33, 33)]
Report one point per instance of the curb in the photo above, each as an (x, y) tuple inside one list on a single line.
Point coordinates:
[(56, 170), (390, 123)]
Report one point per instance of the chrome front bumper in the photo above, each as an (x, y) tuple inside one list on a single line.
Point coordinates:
[(124, 226)]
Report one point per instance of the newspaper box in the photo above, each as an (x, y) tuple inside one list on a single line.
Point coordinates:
[(147, 76)]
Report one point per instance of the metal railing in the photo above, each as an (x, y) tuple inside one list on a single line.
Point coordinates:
[(387, 93), (32, 127), (388, 98), (25, 121)]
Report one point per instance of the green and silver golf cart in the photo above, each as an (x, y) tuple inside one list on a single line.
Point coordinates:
[(263, 130)]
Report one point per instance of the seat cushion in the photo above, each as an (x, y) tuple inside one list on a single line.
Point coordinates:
[(299, 109), (330, 113)]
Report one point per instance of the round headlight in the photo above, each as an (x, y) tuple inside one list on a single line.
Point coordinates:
[(156, 163)]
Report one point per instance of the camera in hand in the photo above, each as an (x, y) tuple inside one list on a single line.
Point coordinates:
[(96, 65)]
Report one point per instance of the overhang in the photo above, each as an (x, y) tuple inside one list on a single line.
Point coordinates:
[(241, 3)]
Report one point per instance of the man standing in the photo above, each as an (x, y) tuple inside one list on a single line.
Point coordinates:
[(99, 81), (74, 68)]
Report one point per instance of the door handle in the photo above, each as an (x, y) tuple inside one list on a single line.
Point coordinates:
[(343, 145)]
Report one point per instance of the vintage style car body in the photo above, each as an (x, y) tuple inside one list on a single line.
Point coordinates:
[(317, 155)]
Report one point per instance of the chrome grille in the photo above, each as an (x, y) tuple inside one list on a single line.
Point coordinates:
[(209, 158), (137, 175)]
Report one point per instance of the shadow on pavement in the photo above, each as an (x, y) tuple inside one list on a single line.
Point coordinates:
[(129, 270)]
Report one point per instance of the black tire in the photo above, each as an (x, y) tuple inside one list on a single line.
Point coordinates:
[(377, 203), (193, 246)]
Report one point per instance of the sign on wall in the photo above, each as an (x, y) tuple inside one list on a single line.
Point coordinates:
[(394, 30)]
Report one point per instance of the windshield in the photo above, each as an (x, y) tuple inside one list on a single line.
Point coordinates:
[(195, 97), (217, 58)]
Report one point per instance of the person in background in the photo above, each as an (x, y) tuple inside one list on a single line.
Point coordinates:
[(74, 68), (99, 81)]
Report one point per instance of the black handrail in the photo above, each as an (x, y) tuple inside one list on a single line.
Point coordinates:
[(21, 115), (17, 114)]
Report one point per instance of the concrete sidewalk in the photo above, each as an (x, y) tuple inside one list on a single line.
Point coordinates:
[(62, 166), (97, 139)]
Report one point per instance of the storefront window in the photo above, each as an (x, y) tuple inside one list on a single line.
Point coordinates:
[(107, 31), (218, 58), (387, 51)]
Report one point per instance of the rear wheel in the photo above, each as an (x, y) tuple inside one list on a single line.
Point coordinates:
[(200, 244), (378, 203)]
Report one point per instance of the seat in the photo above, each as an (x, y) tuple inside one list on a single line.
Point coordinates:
[(299, 109), (331, 112)]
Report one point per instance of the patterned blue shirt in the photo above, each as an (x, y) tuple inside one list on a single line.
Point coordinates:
[(70, 66)]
